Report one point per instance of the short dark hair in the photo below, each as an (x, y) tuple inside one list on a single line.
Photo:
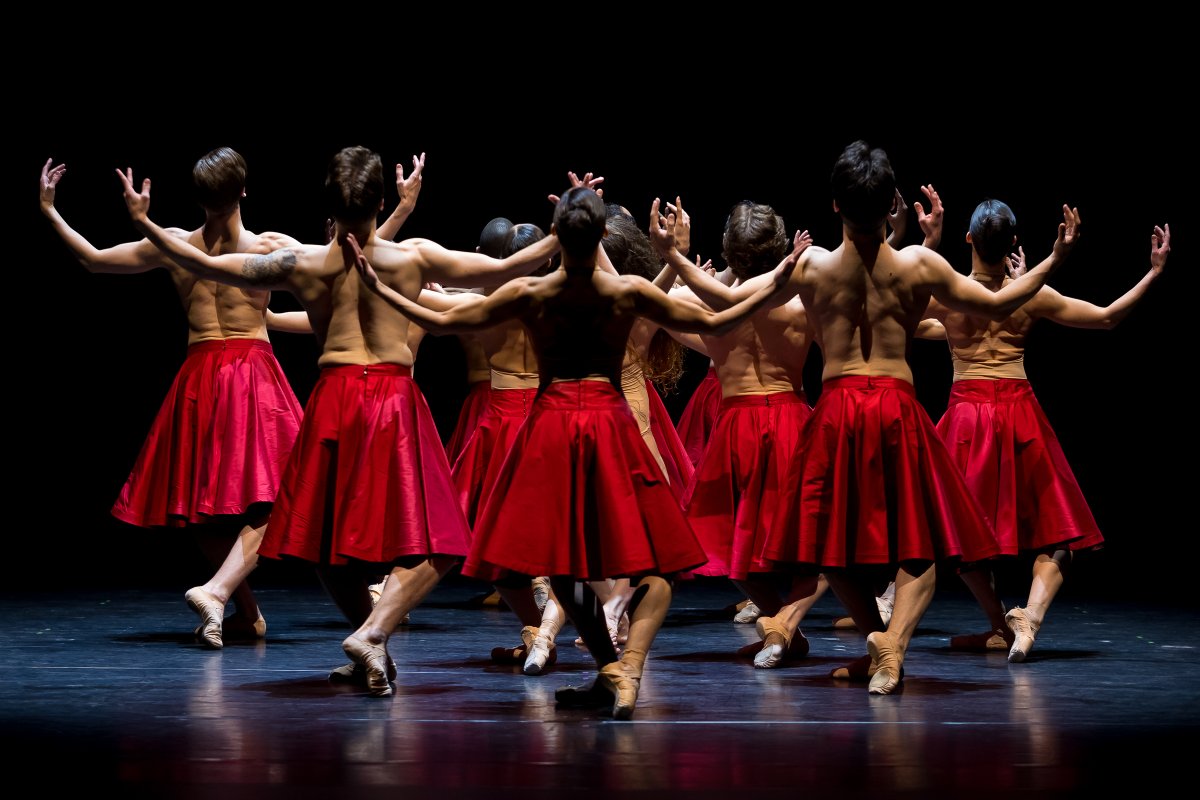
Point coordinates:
[(491, 238), (579, 221), (219, 178), (354, 185), (993, 225), (521, 236), (755, 239), (864, 185)]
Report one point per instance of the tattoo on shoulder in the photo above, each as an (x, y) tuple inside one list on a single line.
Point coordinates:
[(269, 269)]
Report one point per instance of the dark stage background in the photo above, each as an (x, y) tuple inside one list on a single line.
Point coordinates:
[(93, 355)]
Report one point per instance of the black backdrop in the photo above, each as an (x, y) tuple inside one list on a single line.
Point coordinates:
[(91, 356)]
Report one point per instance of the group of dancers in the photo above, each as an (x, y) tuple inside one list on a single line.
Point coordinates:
[(566, 486)]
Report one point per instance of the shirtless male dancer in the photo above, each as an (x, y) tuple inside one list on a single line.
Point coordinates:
[(367, 443), (999, 436), (217, 447), (871, 488), (580, 497)]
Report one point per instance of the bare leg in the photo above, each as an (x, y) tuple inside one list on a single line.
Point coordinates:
[(1048, 575), (234, 565), (650, 603), (587, 617), (915, 584), (405, 588), (980, 580)]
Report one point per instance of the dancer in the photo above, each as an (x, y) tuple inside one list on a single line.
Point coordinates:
[(871, 488), (999, 436), (218, 445), (367, 483), (580, 498)]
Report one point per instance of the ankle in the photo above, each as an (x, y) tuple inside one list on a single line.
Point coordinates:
[(633, 661)]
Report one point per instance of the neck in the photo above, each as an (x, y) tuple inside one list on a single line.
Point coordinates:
[(224, 224), (990, 271), (363, 231), (867, 241), (579, 266)]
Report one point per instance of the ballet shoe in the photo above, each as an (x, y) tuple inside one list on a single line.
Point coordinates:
[(845, 624), (776, 641), (211, 612), (885, 604), (518, 654), (356, 674), (1025, 630), (619, 681), (998, 640), (238, 627), (374, 658), (542, 654), (747, 613), (376, 590), (858, 670), (888, 672)]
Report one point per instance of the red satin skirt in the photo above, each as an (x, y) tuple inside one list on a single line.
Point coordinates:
[(580, 494), (478, 468), (699, 415), (732, 501), (871, 483), (368, 478), (469, 417), (220, 440), (999, 437), (679, 464)]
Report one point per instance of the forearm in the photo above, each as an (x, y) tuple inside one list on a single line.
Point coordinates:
[(707, 288), (395, 221), (83, 250), (725, 321), (1119, 309), (665, 278), (289, 322), (1014, 295), (461, 318)]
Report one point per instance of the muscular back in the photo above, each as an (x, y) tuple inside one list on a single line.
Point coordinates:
[(985, 348), (864, 306), (764, 354), (215, 310), (509, 351)]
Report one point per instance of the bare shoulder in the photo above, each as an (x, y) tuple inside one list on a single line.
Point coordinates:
[(273, 240), (685, 294), (927, 265)]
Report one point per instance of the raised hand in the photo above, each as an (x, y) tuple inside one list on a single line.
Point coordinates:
[(800, 243), (365, 270), (410, 187), (1068, 231), (587, 180), (1160, 247), (683, 226), (50, 178), (662, 230), (931, 223), (1015, 264), (137, 202), (898, 217)]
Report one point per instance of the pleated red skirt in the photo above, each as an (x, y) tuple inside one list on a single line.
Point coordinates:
[(368, 477), (220, 440), (699, 415), (679, 464), (999, 437), (733, 498), (469, 417), (871, 483), (478, 468), (580, 494)]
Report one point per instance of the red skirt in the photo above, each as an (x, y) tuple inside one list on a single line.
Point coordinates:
[(871, 483), (368, 478), (220, 441), (1000, 438), (699, 416), (732, 501), (679, 464), (469, 417), (580, 494), (478, 468)]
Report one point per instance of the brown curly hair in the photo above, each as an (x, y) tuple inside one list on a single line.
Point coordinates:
[(755, 239)]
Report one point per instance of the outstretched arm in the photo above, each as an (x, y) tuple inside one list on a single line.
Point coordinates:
[(408, 188), (270, 271), (1081, 314), (123, 259), (456, 268), (688, 317), (470, 312), (960, 293), (289, 321)]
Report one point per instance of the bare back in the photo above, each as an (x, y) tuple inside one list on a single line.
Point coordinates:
[(986, 349), (864, 306), (478, 368), (510, 356), (763, 355), (217, 311)]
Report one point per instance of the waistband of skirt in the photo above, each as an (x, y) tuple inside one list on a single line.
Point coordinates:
[(399, 370), (236, 345), (869, 382), (764, 400)]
